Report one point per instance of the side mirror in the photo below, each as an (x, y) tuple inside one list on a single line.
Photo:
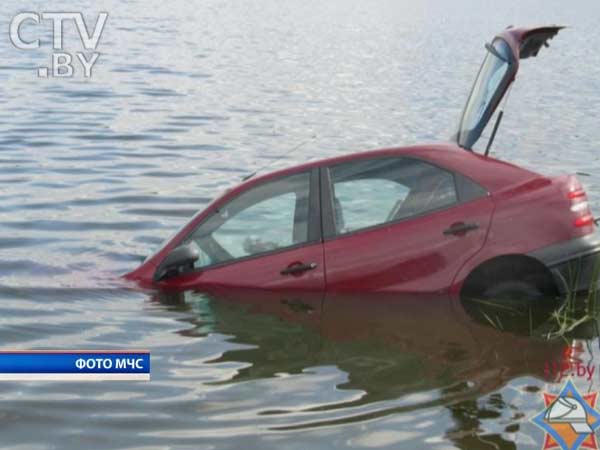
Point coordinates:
[(179, 258)]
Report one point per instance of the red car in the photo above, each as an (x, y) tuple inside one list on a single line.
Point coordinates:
[(427, 218)]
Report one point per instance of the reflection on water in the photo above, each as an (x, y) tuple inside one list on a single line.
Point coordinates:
[(235, 368), (184, 101), (386, 356)]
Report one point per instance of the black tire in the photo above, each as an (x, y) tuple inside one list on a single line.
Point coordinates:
[(514, 291)]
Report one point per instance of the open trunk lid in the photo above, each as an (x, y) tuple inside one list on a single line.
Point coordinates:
[(495, 76)]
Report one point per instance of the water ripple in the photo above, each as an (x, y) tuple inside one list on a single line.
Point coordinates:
[(95, 174)]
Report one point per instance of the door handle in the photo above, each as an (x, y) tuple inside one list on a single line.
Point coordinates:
[(298, 268), (460, 229)]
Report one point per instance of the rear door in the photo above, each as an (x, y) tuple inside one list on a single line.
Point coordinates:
[(399, 224), (268, 237)]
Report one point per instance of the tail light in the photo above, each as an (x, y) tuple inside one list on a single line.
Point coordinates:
[(579, 204)]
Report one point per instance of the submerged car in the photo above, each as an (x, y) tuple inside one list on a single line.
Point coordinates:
[(438, 218)]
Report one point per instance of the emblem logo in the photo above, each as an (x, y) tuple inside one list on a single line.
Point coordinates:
[(569, 419)]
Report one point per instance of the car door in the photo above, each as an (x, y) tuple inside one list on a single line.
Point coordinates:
[(399, 224), (268, 237)]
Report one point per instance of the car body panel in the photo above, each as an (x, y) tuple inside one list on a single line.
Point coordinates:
[(506, 183), (262, 271), (411, 256), (528, 218), (575, 263), (512, 190)]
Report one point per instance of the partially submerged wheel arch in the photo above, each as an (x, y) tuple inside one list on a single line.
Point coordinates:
[(510, 267)]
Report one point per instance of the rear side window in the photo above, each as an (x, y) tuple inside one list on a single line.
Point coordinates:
[(468, 190), (376, 191)]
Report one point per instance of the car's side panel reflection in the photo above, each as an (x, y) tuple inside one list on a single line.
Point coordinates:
[(388, 344)]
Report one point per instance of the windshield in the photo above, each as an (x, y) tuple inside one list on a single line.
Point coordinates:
[(489, 85)]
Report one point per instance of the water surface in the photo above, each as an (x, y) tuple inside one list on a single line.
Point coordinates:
[(184, 101)]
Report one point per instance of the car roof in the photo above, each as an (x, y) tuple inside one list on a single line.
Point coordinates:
[(486, 171)]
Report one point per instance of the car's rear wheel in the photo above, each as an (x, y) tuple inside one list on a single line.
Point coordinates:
[(511, 278), (511, 305), (514, 291), (511, 294)]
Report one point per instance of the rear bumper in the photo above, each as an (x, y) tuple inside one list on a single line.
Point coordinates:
[(575, 264)]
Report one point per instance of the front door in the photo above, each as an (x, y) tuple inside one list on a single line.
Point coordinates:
[(268, 237), (399, 224)]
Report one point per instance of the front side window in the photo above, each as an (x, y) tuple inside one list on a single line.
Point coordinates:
[(266, 218), (373, 192)]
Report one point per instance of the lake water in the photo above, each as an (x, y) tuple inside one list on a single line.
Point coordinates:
[(184, 100)]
